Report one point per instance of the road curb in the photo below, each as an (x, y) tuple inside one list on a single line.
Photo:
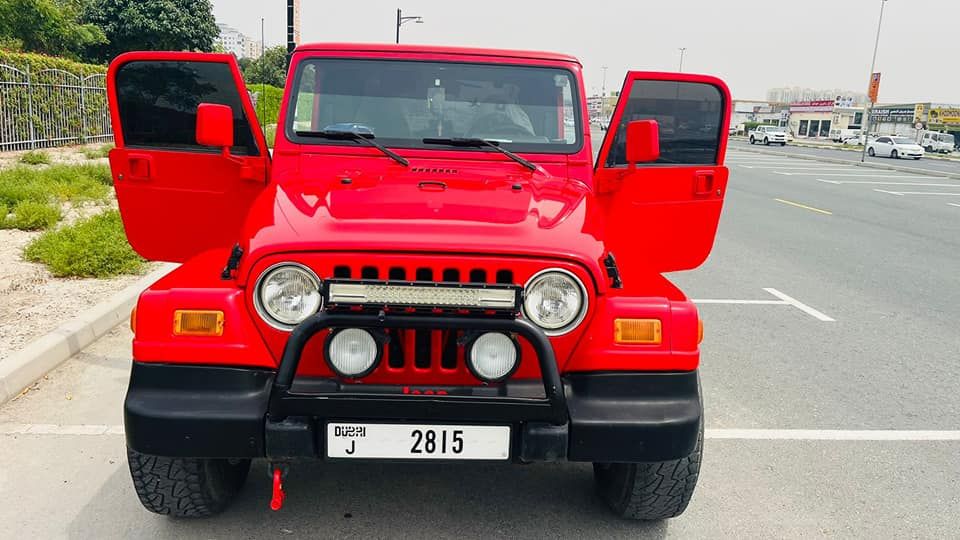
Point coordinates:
[(22, 368), (922, 172)]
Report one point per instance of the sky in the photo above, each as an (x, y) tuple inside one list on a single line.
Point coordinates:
[(752, 44)]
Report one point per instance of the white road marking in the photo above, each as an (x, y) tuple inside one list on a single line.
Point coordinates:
[(832, 434), (901, 193), (954, 204), (799, 305), (784, 300), (885, 183), (876, 435), (822, 169), (916, 176), (748, 302)]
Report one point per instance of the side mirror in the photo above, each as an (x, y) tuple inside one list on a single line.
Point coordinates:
[(643, 141), (215, 126)]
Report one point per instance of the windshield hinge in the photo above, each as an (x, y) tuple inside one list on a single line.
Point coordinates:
[(610, 263), (232, 263)]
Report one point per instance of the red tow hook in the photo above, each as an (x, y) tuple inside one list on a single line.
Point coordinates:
[(276, 503)]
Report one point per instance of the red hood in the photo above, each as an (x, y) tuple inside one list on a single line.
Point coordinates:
[(429, 210)]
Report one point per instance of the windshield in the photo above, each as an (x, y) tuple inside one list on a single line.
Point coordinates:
[(400, 102), (903, 140)]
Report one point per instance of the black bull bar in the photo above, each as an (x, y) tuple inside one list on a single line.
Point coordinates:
[(285, 401)]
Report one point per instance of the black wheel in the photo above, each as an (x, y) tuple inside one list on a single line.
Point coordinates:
[(894, 154), (870, 152), (929, 149), (752, 141), (186, 487), (783, 144), (649, 491), (766, 141)]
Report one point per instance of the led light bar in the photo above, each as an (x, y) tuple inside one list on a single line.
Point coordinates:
[(423, 294)]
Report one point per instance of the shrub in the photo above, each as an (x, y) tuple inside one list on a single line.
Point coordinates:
[(57, 183), (268, 102), (95, 247), (31, 216), (35, 157), (99, 152)]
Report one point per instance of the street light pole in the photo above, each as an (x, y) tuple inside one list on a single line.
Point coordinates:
[(603, 94), (401, 20), (682, 50), (869, 106)]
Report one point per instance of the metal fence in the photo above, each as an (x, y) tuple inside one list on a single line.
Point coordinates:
[(51, 107)]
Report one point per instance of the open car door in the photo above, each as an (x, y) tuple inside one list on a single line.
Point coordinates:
[(662, 206), (190, 157)]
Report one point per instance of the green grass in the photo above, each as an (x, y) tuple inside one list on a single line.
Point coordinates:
[(49, 187), (57, 183), (97, 153), (30, 216), (95, 247), (35, 157), (270, 134)]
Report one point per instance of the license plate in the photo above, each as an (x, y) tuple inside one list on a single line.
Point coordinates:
[(417, 441)]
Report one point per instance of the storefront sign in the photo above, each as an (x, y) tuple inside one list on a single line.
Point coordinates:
[(893, 114), (944, 116), (812, 106)]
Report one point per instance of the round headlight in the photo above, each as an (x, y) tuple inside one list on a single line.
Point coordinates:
[(493, 356), (352, 352), (555, 300), (287, 294)]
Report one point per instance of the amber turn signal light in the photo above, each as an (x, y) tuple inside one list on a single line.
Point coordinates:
[(699, 331), (133, 320), (633, 331), (196, 322)]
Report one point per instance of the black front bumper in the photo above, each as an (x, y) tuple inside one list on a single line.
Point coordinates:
[(203, 411)]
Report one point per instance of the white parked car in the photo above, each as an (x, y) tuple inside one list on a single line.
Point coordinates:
[(895, 147), (768, 135)]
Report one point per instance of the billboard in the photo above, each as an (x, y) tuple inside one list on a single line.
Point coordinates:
[(897, 114), (948, 116)]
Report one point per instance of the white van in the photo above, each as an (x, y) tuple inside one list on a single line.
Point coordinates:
[(934, 141), (840, 135)]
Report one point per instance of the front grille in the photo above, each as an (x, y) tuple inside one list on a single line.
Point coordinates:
[(503, 276)]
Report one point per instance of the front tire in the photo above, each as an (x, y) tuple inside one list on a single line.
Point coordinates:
[(186, 487), (783, 144), (649, 491), (894, 154), (766, 141), (752, 141), (871, 152)]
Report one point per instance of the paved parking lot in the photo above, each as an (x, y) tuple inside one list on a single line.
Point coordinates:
[(829, 370)]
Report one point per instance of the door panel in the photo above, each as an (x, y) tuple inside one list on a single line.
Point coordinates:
[(178, 198), (662, 216)]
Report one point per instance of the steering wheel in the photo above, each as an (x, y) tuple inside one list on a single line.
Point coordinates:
[(497, 124)]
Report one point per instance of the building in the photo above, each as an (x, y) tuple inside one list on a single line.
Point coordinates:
[(908, 119), (237, 43), (796, 94), (822, 119), (765, 112), (601, 107)]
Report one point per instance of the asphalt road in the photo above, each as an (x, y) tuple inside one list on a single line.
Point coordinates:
[(929, 164), (867, 340)]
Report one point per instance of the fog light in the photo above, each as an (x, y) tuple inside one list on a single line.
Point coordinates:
[(493, 357), (352, 352)]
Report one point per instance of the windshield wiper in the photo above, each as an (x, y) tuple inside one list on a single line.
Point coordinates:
[(480, 143), (337, 135)]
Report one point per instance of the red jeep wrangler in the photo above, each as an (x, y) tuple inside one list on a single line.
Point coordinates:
[(428, 266)]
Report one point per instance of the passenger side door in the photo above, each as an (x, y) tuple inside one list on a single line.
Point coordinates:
[(179, 197), (883, 146), (662, 215)]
